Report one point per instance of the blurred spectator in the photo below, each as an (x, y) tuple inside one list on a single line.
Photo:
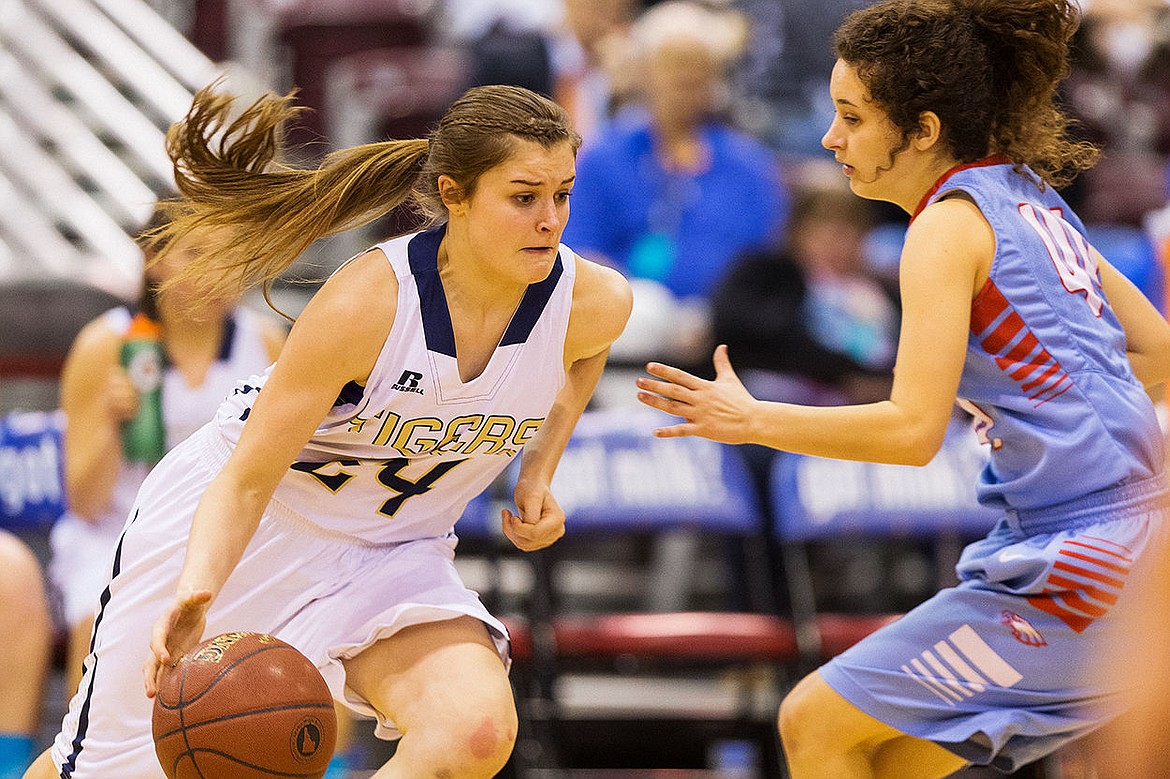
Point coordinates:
[(570, 50), (669, 192), (804, 320), (209, 344), (509, 41), (24, 653), (592, 48), (782, 80), (1119, 92)]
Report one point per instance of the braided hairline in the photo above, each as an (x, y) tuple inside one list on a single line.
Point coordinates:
[(532, 127)]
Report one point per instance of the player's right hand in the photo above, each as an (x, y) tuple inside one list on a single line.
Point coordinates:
[(539, 520), (120, 396), (179, 628)]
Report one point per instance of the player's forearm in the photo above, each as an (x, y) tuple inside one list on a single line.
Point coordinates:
[(91, 472), (544, 452), (224, 523), (875, 432)]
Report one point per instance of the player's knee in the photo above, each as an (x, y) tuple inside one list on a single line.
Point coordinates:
[(799, 722), (483, 742)]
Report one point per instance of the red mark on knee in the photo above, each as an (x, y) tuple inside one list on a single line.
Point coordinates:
[(484, 740)]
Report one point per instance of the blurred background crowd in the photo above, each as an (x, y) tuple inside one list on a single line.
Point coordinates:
[(701, 177)]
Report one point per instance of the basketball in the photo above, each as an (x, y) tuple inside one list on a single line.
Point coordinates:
[(243, 706)]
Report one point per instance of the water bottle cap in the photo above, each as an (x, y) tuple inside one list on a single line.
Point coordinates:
[(142, 326)]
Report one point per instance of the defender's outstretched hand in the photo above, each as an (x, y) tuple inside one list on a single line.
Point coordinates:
[(721, 410)]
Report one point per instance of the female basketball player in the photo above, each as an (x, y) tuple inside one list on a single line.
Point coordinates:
[(945, 108), (209, 343), (319, 505)]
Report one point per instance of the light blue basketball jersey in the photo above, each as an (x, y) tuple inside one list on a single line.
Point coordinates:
[(1005, 667), (1046, 375)]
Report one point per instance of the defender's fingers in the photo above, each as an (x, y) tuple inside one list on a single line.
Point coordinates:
[(674, 375), (675, 431), (722, 362), (664, 388), (675, 408)]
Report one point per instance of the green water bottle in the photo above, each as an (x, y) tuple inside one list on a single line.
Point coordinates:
[(144, 435)]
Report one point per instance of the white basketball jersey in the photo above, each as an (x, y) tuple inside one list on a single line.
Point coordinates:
[(399, 458), (243, 352)]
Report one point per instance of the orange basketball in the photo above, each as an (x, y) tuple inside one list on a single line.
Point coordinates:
[(243, 706)]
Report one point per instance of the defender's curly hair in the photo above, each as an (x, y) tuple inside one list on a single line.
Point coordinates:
[(988, 68)]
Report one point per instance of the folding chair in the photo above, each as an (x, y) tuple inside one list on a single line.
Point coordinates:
[(661, 503), (819, 502), (1131, 250), (32, 491)]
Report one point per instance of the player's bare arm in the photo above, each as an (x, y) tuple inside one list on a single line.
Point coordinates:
[(97, 396), (947, 250), (1147, 333), (602, 301), (328, 347)]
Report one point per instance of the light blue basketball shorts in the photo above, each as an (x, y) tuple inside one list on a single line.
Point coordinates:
[(1006, 667)]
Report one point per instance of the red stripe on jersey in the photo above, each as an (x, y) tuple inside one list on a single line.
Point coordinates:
[(1003, 335), (1085, 572), (1080, 604), (1043, 377), (1051, 391), (1096, 593), (988, 305), (1026, 346), (1099, 549), (1107, 541), (1023, 359), (1089, 559), (1046, 603), (1041, 359)]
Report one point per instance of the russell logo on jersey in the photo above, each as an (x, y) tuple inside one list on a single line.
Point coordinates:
[(408, 382)]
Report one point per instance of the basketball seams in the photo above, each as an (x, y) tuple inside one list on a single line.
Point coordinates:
[(249, 713), (210, 730), (262, 769), (222, 673), (183, 727)]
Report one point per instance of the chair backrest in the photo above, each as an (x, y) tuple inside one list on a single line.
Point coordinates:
[(816, 498), (480, 519), (1131, 250), (32, 491), (1127, 248), (616, 476)]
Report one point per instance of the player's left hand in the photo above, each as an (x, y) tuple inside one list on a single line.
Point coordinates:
[(721, 410), (540, 521)]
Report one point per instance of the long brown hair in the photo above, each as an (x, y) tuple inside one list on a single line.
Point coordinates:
[(988, 68), (229, 178)]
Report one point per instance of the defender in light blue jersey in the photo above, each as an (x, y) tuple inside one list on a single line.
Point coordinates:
[(946, 109)]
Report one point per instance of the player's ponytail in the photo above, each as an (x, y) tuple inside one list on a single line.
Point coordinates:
[(231, 181), (269, 213), (1028, 45)]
